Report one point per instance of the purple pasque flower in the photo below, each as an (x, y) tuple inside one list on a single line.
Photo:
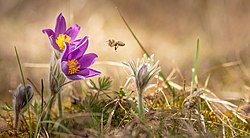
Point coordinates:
[(75, 64), (61, 35)]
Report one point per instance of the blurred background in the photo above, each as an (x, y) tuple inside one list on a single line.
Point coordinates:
[(169, 29)]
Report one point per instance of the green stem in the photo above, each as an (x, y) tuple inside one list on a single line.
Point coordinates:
[(195, 66), (30, 128), (59, 104), (50, 103), (140, 104), (59, 108), (95, 97), (20, 67)]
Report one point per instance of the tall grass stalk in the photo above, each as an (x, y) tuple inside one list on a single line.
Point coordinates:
[(195, 66), (205, 89), (145, 51), (24, 84)]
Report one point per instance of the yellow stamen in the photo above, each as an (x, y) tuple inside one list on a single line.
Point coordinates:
[(61, 39), (73, 68)]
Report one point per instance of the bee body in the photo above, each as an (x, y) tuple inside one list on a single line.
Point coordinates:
[(116, 44)]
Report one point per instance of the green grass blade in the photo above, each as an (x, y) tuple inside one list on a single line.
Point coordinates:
[(145, 51), (195, 65), (206, 82), (58, 124), (20, 67), (22, 75), (131, 31), (205, 87)]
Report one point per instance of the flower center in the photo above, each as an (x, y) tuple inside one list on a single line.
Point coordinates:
[(73, 67), (61, 39)]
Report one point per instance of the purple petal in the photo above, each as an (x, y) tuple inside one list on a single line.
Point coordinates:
[(76, 77), (88, 73), (65, 67), (53, 43), (65, 56), (82, 74), (87, 60), (79, 49), (76, 42), (73, 45), (60, 25), (49, 32), (73, 32), (79, 44), (143, 71)]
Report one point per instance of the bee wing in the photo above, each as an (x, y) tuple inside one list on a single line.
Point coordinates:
[(120, 43)]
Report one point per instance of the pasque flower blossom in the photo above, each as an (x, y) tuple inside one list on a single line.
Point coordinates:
[(69, 62), (61, 35), (75, 64), (142, 72)]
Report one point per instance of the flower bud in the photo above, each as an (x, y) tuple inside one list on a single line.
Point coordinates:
[(22, 97)]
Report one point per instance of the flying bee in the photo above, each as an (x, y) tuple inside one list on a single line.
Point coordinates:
[(116, 44)]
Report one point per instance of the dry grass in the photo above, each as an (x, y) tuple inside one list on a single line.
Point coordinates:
[(182, 103)]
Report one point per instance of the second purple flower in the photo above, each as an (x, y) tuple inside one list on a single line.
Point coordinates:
[(75, 64)]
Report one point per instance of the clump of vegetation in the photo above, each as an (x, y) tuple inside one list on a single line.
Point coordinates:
[(147, 105)]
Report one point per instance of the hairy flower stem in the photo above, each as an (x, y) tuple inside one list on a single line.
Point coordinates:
[(59, 104), (59, 100), (16, 120), (140, 104), (47, 116)]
